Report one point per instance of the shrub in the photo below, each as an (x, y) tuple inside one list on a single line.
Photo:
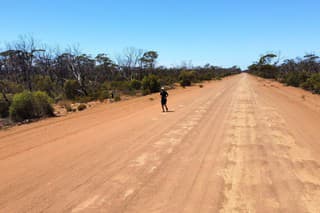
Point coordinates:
[(312, 83), (4, 108), (12, 87), (295, 78), (44, 84), (292, 79), (85, 99), (206, 77), (117, 98), (127, 87), (42, 104), (120, 85), (168, 80), (58, 98), (151, 83), (68, 107), (268, 71), (306, 85), (29, 105), (65, 104), (187, 78), (105, 86), (130, 92), (115, 84), (82, 107), (135, 84), (71, 89), (22, 106), (104, 94), (146, 92)]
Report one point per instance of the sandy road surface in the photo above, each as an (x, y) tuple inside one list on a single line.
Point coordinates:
[(238, 145)]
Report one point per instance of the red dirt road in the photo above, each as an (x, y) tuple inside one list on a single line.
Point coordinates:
[(242, 144)]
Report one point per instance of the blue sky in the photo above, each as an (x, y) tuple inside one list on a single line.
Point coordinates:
[(220, 32)]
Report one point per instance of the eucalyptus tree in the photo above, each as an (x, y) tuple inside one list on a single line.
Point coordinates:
[(129, 62), (148, 59), (105, 68), (266, 66)]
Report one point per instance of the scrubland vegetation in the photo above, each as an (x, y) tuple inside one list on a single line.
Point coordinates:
[(300, 72), (33, 76)]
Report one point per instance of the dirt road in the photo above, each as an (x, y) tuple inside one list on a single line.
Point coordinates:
[(242, 144)]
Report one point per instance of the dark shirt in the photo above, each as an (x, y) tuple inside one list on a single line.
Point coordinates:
[(164, 95)]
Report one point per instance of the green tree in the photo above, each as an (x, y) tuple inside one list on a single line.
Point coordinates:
[(148, 59), (265, 67)]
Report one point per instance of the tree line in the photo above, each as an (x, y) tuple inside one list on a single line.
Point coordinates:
[(27, 67), (299, 72)]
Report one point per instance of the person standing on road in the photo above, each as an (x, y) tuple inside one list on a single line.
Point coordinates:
[(164, 96)]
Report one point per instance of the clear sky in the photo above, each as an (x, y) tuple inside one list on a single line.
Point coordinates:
[(220, 32)]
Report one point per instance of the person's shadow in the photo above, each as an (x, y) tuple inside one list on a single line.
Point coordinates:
[(170, 111)]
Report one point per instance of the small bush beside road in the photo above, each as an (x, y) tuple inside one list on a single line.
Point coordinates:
[(30, 105)]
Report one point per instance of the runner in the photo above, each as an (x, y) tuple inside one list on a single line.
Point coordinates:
[(164, 96)]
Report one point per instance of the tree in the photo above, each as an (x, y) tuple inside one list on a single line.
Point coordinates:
[(148, 59), (267, 59), (26, 64), (24, 51), (310, 62), (264, 67), (105, 68), (77, 66), (129, 61)]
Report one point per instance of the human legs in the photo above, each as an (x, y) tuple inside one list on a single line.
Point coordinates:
[(164, 105)]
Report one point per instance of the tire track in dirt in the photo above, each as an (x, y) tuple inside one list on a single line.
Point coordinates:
[(267, 168)]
